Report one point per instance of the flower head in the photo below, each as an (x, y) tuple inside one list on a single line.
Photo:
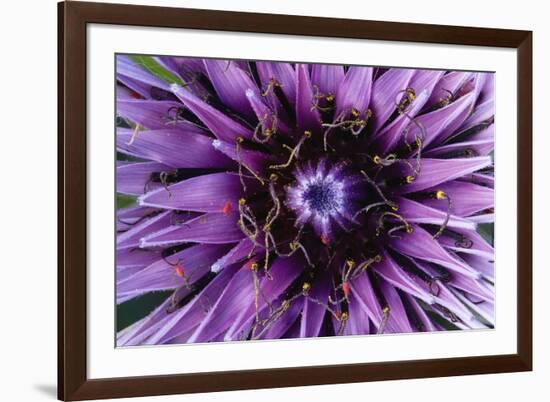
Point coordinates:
[(279, 200)]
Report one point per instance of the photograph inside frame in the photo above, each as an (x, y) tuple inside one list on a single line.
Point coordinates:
[(277, 200)]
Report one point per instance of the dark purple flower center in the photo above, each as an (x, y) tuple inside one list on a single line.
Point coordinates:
[(322, 198)]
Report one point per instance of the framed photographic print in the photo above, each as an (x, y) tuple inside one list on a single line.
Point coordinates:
[(253, 200)]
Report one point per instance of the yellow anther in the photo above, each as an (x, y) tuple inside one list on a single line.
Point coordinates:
[(242, 202), (409, 229), (377, 258), (285, 304), (306, 287), (386, 310), (254, 266), (350, 263), (239, 140), (307, 134), (440, 195), (293, 246), (267, 228), (273, 177), (354, 112), (409, 179), (330, 98), (268, 132), (377, 159), (368, 114), (411, 94), (344, 316)]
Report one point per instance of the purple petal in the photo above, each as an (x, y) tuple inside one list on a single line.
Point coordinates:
[(358, 321), (128, 217), (385, 94), (173, 147), (479, 144), (361, 288), (223, 127), (195, 262), (421, 245), (282, 73), (266, 116), (437, 171), (142, 329), (398, 321), (136, 178), (255, 160), (277, 329), (385, 139), (130, 238), (150, 114), (307, 118), (134, 258), (424, 320), (239, 296), (394, 274), (189, 317), (283, 272), (231, 84), (477, 247), (313, 313), (216, 192), (425, 80), (212, 228), (129, 68), (239, 253), (355, 91), (448, 85), (415, 212), (467, 198), (441, 123), (327, 77), (475, 287)]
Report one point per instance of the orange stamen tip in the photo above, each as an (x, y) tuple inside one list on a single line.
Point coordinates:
[(346, 288), (252, 265), (227, 208), (179, 271)]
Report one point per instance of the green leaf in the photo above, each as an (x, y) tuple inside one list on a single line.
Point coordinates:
[(151, 65), (487, 231), (135, 309), (123, 201)]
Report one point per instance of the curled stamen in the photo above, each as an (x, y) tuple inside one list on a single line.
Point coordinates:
[(391, 204), (137, 129), (368, 208), (246, 213), (389, 160), (267, 132), (164, 180), (238, 145), (441, 195), (408, 228), (318, 96), (343, 320), (271, 86), (293, 151), (384, 321), (273, 213)]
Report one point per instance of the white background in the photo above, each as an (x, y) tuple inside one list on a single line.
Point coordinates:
[(28, 332)]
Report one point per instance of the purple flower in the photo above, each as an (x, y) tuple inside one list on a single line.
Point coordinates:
[(280, 200)]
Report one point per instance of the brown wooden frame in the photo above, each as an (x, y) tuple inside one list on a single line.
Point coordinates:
[(73, 383)]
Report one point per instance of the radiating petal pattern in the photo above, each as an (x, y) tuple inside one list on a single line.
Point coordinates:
[(276, 200)]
